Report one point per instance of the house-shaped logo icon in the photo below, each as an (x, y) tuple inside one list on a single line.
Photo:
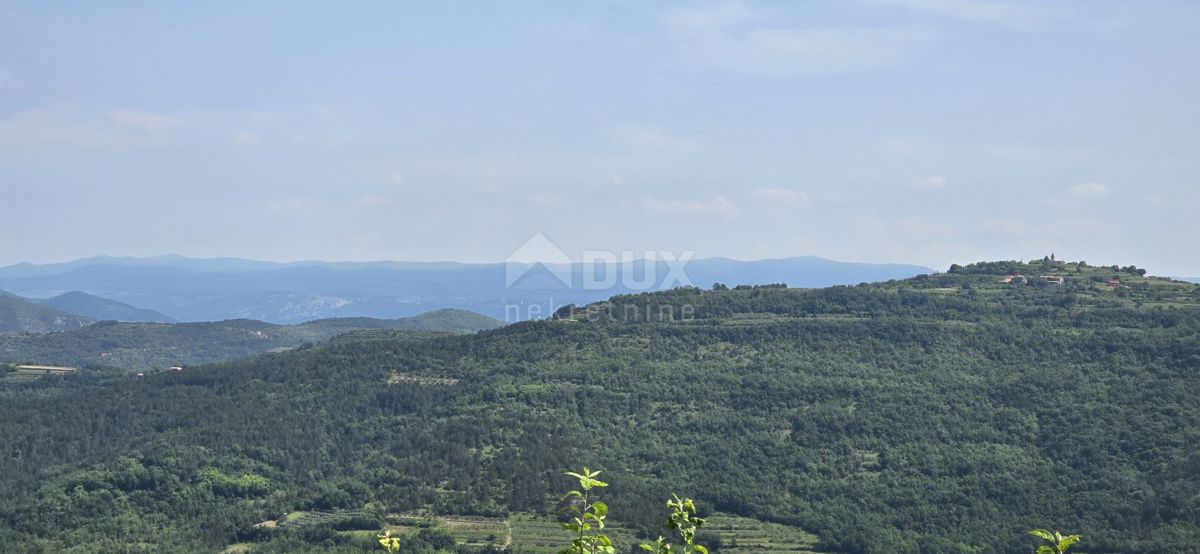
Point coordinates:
[(536, 252)]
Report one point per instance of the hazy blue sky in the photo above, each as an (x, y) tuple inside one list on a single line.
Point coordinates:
[(924, 131)]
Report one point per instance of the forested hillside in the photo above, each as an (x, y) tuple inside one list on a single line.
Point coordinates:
[(145, 346), (18, 315), (944, 413)]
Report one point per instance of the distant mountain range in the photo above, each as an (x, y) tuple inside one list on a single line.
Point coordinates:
[(144, 346), (189, 289)]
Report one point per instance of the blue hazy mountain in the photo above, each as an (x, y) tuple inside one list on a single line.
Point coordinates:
[(102, 309), (18, 315), (190, 289)]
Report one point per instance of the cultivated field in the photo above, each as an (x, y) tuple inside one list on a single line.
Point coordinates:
[(31, 372)]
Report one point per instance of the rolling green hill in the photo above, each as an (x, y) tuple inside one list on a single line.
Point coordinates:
[(147, 346), (101, 309), (944, 413)]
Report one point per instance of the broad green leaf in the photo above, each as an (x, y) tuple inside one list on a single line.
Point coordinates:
[(1067, 541), (1042, 534), (600, 508)]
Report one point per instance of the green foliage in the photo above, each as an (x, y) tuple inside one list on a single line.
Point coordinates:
[(1055, 542), (389, 543), (587, 517), (684, 521)]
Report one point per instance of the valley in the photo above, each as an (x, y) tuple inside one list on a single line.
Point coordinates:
[(158, 346)]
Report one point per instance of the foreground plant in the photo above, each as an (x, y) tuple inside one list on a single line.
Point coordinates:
[(1057, 544), (683, 519), (390, 543), (587, 521)]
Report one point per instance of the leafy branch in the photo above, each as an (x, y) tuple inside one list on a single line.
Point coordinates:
[(683, 519), (390, 543), (1058, 544), (587, 521)]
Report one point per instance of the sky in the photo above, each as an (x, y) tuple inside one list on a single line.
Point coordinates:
[(917, 131)]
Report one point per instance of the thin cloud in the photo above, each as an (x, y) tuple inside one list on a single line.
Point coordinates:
[(727, 36), (1091, 189), (933, 182), (245, 137), (141, 120), (775, 194), (294, 206), (1004, 14), (375, 201), (64, 126), (640, 137), (718, 206)]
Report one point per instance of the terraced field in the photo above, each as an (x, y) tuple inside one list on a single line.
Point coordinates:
[(739, 535), (22, 373), (543, 535), (743, 535), (478, 531), (537, 534)]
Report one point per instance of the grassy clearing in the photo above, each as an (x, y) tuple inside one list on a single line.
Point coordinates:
[(398, 378), (305, 519)]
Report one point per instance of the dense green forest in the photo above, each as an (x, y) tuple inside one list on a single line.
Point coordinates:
[(944, 413), (149, 346)]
